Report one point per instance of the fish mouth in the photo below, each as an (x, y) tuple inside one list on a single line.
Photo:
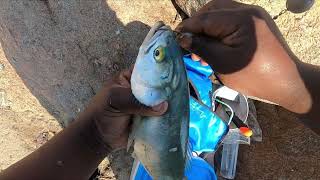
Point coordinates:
[(159, 26)]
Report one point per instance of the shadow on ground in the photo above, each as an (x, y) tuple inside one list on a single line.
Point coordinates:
[(65, 50), (288, 149)]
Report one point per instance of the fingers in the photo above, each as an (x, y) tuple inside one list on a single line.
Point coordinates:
[(204, 63), (123, 100), (127, 73), (224, 59), (220, 37), (220, 4), (195, 57), (124, 77), (217, 24), (206, 47)]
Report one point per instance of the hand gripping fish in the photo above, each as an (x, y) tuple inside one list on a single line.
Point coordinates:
[(161, 143)]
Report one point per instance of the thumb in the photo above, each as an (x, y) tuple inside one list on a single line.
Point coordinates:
[(123, 100)]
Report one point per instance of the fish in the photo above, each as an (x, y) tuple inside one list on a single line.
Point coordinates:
[(159, 74)]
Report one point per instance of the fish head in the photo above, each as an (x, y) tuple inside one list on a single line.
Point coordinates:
[(153, 72)]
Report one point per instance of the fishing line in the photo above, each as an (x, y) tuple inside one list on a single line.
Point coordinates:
[(231, 110)]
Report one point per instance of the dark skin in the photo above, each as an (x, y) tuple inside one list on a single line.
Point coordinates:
[(76, 151), (246, 49), (249, 54)]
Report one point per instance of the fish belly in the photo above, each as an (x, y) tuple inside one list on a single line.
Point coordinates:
[(161, 142)]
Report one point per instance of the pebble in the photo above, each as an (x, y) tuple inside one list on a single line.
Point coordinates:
[(42, 138), (299, 6), (1, 67), (115, 67), (3, 99)]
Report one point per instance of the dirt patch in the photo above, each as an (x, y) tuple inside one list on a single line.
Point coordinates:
[(24, 123), (288, 150)]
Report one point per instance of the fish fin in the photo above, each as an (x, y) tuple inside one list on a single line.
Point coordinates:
[(136, 122), (130, 141), (188, 157), (134, 169)]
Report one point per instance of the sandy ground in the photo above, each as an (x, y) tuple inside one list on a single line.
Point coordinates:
[(24, 123), (288, 150)]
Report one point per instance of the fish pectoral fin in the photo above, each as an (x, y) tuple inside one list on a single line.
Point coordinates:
[(136, 121), (188, 157), (130, 143), (130, 146)]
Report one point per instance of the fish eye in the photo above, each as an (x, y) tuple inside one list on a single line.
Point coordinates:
[(159, 54)]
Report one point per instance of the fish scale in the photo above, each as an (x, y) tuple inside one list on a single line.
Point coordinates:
[(161, 143)]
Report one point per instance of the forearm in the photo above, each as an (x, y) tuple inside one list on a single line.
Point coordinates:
[(289, 83), (310, 75), (74, 153), (301, 93)]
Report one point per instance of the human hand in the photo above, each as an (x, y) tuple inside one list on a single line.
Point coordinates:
[(112, 109), (246, 50)]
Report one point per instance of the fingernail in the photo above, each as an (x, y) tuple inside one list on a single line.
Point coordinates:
[(203, 63), (195, 57), (185, 40), (161, 107)]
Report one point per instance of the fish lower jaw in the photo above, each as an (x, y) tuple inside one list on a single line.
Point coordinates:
[(149, 96)]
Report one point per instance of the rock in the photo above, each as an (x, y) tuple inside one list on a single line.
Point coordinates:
[(4, 103), (299, 6), (191, 6), (64, 50), (42, 138), (1, 67), (273, 7), (53, 44), (2, 98)]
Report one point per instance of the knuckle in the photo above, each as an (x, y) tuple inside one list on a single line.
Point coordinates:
[(258, 11), (133, 101)]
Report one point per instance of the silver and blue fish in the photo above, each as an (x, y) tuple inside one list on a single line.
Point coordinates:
[(161, 143)]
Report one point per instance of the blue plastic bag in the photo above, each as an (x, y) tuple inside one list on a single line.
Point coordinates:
[(206, 129), (199, 169)]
